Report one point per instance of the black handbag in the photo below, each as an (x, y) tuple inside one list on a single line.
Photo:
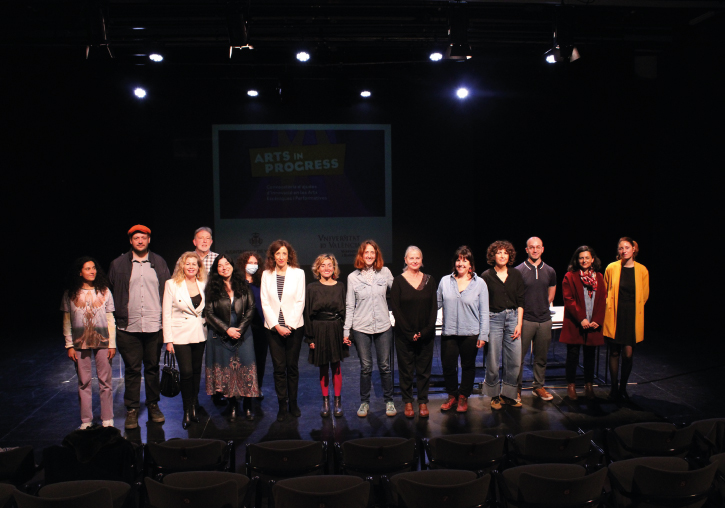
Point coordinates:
[(170, 378)]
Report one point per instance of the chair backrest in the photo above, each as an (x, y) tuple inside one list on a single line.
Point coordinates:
[(653, 485), (198, 479), (6, 493), (654, 441), (100, 498), (375, 456), (177, 455), (17, 465), (711, 434), (551, 446), (542, 492), (119, 490), (424, 490), (121, 462), (473, 452), (321, 491), (286, 458), (223, 495)]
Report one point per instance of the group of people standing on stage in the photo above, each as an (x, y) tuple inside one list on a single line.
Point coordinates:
[(237, 310)]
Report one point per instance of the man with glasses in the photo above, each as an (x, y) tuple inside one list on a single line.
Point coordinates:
[(540, 288)]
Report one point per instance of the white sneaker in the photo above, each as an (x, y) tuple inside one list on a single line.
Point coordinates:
[(390, 408), (108, 423), (85, 425), (362, 412)]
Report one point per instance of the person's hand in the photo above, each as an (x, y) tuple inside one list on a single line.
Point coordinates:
[(416, 336), (72, 354), (111, 353), (312, 345), (170, 347), (593, 325), (480, 344), (585, 323), (233, 332), (282, 330), (347, 341), (517, 332)]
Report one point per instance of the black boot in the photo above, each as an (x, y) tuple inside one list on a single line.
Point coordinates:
[(282, 413), (325, 411), (186, 421), (234, 406), (294, 409), (192, 413), (248, 411), (338, 406), (614, 391)]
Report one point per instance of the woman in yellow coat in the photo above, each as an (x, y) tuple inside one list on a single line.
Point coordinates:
[(627, 284)]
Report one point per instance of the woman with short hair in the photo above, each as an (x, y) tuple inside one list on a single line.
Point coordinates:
[(324, 317), (506, 303), (183, 327), (283, 301), (627, 285), (584, 304)]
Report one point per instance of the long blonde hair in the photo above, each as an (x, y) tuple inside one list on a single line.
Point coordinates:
[(179, 276)]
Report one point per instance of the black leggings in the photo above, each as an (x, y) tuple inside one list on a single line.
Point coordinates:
[(572, 360), (189, 357), (615, 351)]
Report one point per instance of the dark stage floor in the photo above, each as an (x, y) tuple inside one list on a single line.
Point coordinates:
[(40, 405)]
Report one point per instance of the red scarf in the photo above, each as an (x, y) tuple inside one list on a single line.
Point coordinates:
[(589, 280)]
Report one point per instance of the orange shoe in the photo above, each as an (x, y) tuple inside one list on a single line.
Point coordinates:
[(409, 413), (423, 410), (450, 404), (462, 404)]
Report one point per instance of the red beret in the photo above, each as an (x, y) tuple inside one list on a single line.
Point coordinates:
[(138, 228)]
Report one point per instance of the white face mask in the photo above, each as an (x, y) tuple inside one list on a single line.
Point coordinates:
[(252, 269)]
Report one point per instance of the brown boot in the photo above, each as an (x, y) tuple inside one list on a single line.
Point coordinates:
[(589, 391), (462, 404), (423, 410), (409, 413), (449, 404), (571, 391)]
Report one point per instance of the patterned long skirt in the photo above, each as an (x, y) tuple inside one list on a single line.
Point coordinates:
[(230, 366)]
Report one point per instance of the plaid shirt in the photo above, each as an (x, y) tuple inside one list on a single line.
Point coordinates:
[(208, 260)]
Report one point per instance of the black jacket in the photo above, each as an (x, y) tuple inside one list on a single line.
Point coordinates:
[(119, 275), (218, 313)]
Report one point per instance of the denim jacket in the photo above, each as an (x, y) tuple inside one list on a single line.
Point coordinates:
[(464, 313), (366, 305)]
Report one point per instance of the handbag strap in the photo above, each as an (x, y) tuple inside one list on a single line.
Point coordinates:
[(168, 356)]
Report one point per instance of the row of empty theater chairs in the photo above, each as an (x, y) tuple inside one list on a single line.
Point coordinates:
[(648, 464)]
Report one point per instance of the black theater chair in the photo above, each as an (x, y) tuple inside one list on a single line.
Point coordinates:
[(100, 498), (329, 491), (648, 440), (199, 479), (473, 452), (439, 488), (223, 495), (178, 455), (550, 446), (708, 438), (119, 490), (17, 465)]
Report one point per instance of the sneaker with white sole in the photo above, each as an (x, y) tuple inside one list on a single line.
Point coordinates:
[(85, 425), (390, 408), (362, 411), (108, 423), (510, 402), (543, 394)]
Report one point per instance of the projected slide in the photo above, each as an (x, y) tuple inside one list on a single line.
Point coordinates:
[(324, 188)]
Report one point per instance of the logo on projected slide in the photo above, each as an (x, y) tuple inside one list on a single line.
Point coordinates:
[(256, 240), (310, 160)]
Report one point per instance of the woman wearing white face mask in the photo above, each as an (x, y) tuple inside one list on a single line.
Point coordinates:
[(248, 264)]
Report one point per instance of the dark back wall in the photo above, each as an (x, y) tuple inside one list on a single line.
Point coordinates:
[(577, 155)]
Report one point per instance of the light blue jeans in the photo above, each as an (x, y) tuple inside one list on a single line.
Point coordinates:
[(504, 352)]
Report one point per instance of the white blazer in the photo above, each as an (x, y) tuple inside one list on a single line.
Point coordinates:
[(182, 323), (293, 298)]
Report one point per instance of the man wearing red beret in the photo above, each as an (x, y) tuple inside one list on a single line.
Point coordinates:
[(137, 283)]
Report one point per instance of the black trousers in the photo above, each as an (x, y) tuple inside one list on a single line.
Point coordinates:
[(285, 353), (453, 346), (261, 345), (572, 360), (414, 357), (140, 350), (190, 359)]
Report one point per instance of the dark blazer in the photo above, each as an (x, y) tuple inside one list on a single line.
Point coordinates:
[(575, 311), (218, 313), (119, 275)]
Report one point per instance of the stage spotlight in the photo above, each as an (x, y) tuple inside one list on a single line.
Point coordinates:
[(303, 56), (458, 47), (252, 93), (155, 57), (365, 94), (140, 93), (436, 56), (462, 93)]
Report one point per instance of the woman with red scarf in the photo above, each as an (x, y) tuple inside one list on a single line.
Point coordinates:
[(584, 304)]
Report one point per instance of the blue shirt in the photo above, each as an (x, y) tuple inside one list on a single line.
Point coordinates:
[(466, 312), (366, 305)]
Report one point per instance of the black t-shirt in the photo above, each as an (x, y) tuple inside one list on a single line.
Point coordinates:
[(537, 281), (504, 295)]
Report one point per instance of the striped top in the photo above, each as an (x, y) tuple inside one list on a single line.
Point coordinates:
[(280, 287)]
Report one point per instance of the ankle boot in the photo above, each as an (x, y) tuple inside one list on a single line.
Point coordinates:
[(235, 407), (192, 413), (462, 404), (186, 421), (325, 411), (571, 391), (589, 391), (248, 406), (282, 413), (450, 403), (623, 395), (338, 406), (294, 409)]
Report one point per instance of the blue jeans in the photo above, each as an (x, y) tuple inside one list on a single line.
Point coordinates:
[(383, 349), (502, 326)]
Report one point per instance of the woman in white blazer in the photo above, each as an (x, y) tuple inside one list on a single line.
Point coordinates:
[(283, 301), (184, 330)]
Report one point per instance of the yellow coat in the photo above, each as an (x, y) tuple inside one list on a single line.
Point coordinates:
[(641, 285)]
